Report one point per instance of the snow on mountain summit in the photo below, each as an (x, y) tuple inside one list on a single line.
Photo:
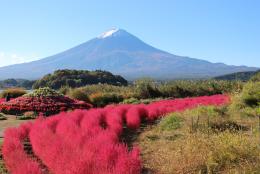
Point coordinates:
[(108, 33), (121, 52)]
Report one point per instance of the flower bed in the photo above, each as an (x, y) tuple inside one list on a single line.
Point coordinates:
[(83, 142), (2, 100), (47, 105), (43, 100)]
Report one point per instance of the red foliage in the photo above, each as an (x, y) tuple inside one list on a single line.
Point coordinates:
[(83, 142), (15, 158), (48, 105), (2, 100)]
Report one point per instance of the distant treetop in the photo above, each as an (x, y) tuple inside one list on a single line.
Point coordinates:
[(78, 78), (242, 76), (23, 83), (256, 77)]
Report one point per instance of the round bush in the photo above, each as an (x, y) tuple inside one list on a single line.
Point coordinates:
[(13, 92), (78, 94), (103, 99), (251, 94)]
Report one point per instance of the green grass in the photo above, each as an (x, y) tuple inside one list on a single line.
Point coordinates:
[(171, 122)]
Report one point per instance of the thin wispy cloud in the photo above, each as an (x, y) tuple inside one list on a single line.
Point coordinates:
[(7, 58)]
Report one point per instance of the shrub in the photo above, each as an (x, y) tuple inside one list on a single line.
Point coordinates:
[(150, 100), (125, 91), (131, 101), (171, 122), (248, 112), (145, 88), (64, 90), (256, 77), (78, 94), (103, 99), (149, 89), (192, 88), (251, 94), (13, 92), (138, 101)]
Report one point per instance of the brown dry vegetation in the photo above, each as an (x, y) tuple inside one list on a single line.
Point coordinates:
[(203, 140)]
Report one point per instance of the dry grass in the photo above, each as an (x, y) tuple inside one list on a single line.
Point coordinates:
[(195, 147)]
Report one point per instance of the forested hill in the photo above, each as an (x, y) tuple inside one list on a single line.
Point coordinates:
[(78, 78), (23, 83), (242, 76)]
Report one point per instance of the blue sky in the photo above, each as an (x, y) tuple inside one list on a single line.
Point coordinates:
[(216, 30)]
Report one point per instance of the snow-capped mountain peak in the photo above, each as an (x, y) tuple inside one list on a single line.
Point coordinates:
[(108, 33), (120, 52)]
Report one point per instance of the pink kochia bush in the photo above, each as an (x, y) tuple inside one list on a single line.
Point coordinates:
[(88, 142)]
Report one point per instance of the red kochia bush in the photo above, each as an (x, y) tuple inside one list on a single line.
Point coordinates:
[(82, 142), (134, 116), (16, 160)]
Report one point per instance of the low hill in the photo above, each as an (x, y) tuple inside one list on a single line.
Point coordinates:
[(78, 78), (242, 76)]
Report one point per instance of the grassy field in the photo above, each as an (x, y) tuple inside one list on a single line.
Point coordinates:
[(207, 139), (202, 140)]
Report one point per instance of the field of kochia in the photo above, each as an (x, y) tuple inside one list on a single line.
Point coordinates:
[(88, 141)]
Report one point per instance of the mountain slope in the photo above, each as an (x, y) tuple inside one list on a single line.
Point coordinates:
[(121, 53)]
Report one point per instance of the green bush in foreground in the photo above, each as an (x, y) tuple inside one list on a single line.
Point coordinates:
[(171, 122), (251, 94)]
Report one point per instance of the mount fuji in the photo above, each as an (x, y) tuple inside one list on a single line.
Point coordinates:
[(124, 54)]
